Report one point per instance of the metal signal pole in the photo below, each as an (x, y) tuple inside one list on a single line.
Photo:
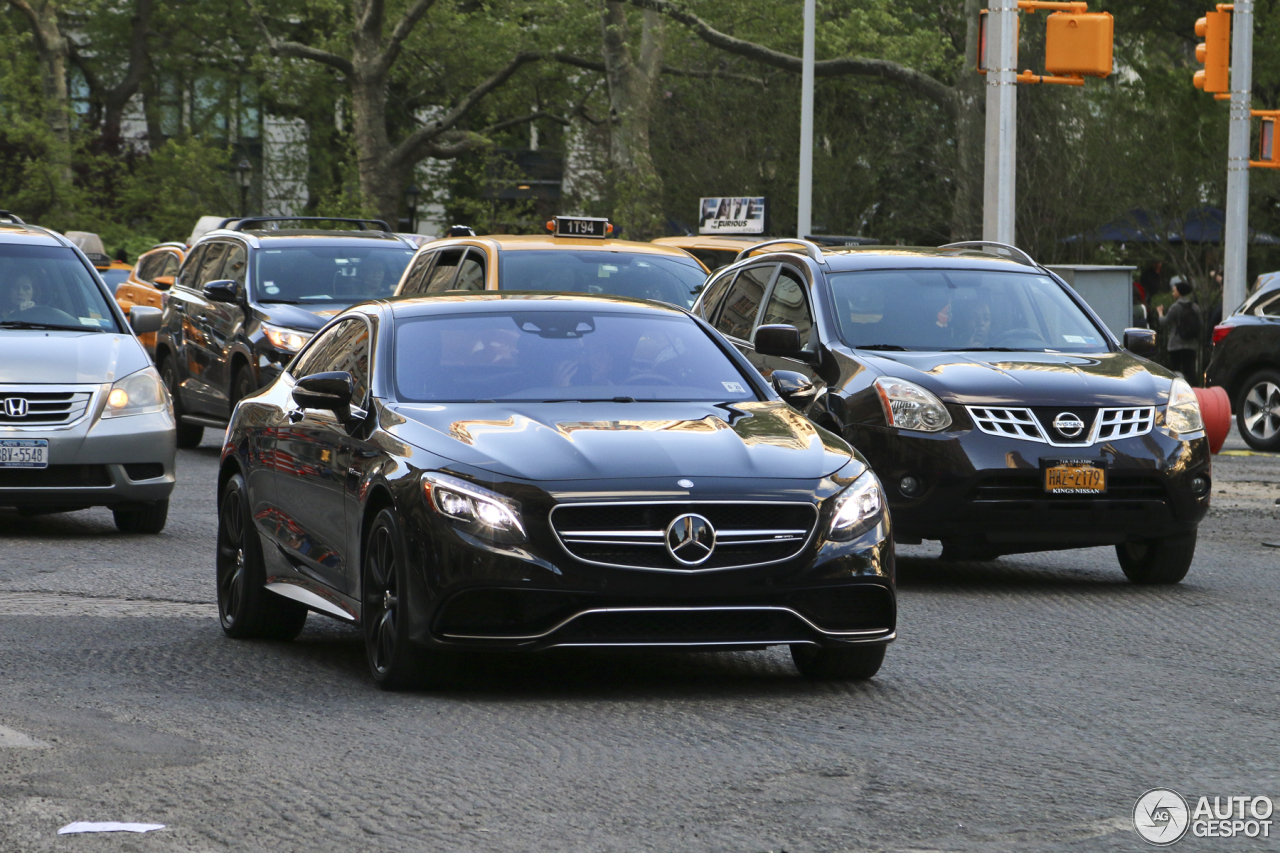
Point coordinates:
[(1002, 122), (804, 218), (1236, 237)]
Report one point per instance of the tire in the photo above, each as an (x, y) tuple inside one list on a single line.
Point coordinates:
[(242, 386), (189, 435), (395, 662), (854, 663), (1258, 410), (148, 519), (246, 608), (1157, 561)]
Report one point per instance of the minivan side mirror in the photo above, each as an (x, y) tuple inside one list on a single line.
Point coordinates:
[(780, 340), (1140, 342), (794, 388), (223, 290), (163, 282), (144, 320), (330, 391)]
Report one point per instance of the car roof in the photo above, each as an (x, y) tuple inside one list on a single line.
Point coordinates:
[(514, 300), (15, 232), (521, 242), (735, 242), (309, 237), (852, 258)]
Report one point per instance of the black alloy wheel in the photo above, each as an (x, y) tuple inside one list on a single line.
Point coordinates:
[(189, 435), (853, 663), (1258, 410), (1157, 561), (246, 608), (243, 386)]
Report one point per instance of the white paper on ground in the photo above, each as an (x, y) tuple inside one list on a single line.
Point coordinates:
[(109, 826)]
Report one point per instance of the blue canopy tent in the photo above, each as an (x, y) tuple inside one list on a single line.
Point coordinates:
[(1199, 225)]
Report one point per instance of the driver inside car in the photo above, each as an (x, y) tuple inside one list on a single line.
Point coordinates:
[(971, 322), (19, 296)]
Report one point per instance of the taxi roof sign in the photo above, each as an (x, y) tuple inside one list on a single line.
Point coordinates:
[(580, 226)]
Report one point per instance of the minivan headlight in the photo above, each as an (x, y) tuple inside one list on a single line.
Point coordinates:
[(478, 511), (1182, 414), (857, 509), (137, 394), (908, 406)]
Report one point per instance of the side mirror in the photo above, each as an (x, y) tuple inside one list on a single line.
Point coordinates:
[(779, 340), (144, 320), (328, 391), (1140, 342), (224, 290), (795, 389), (163, 282)]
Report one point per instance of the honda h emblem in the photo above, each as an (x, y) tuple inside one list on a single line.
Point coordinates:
[(16, 407)]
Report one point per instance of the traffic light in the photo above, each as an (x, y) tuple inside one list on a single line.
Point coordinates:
[(1214, 52), (1268, 151), (1079, 44)]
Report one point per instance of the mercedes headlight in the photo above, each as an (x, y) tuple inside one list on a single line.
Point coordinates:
[(137, 394), (289, 340), (857, 509), (908, 406), (1182, 414), (478, 511)]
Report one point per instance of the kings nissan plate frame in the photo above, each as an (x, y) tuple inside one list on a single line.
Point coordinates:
[(24, 453), (1074, 476)]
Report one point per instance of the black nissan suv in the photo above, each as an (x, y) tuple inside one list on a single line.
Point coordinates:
[(251, 294)]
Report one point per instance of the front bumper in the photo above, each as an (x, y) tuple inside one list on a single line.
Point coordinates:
[(985, 493), (95, 462)]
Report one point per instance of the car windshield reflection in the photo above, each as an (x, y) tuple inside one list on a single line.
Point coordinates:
[(641, 276), (316, 274)]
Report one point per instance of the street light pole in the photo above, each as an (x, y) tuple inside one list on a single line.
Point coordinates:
[(1002, 122), (804, 217), (413, 192), (1236, 233), (245, 171)]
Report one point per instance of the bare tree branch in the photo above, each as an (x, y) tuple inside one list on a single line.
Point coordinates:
[(930, 87), (512, 122), (295, 49), (410, 20)]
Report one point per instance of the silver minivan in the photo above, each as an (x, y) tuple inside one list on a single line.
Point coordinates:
[(84, 418)]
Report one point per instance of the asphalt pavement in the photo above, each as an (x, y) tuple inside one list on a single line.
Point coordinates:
[(1027, 704)]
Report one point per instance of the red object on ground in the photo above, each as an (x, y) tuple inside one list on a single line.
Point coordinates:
[(1215, 409), (1220, 332)]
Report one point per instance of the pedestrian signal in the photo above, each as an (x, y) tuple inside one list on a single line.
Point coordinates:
[(1214, 52), (1079, 45)]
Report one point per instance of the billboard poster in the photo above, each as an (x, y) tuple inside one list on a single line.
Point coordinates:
[(731, 215)]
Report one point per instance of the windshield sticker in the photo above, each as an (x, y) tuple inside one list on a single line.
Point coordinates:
[(734, 387), (88, 321), (1074, 339)]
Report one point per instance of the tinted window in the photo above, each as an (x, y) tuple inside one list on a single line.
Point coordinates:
[(743, 302), (562, 355), (471, 273), (714, 258), (236, 265), (706, 309), (676, 281), (344, 347), (150, 266), (170, 264), (211, 265), (441, 277), (414, 279), (960, 310), (191, 267), (49, 285), (317, 274), (787, 304)]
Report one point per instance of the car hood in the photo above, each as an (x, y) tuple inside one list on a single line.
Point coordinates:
[(67, 358), (304, 318), (581, 441), (1031, 379)]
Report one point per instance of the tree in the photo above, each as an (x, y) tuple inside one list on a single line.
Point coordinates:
[(111, 99), (52, 50)]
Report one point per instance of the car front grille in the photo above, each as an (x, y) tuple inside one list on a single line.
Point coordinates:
[(865, 607), (45, 405), (1026, 424), (55, 477), (683, 626), (633, 535)]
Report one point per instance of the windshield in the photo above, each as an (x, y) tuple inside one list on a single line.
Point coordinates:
[(554, 356), (963, 310), (313, 274), (676, 281), (48, 287)]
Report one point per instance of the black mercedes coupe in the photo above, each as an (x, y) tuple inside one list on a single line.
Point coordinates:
[(525, 471)]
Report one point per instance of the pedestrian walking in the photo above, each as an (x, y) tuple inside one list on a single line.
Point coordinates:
[(1182, 322)]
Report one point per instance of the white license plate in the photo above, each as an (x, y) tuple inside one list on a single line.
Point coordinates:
[(24, 453)]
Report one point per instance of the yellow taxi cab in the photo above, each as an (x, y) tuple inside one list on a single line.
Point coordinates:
[(576, 256), (148, 280), (113, 272), (714, 250)]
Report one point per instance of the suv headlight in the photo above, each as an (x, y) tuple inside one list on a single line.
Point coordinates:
[(1182, 414), (478, 511), (289, 340), (137, 394), (908, 406), (857, 509)]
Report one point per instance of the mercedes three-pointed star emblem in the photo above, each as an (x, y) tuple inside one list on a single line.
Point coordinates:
[(691, 539)]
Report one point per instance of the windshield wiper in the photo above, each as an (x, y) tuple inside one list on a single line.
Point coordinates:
[(892, 347), (61, 327), (986, 349), (280, 301), (596, 400)]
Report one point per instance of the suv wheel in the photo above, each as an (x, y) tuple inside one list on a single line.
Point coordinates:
[(1258, 410), (1157, 561), (189, 435), (242, 386)]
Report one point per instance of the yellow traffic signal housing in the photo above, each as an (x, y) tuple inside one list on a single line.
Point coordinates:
[(1078, 44), (1214, 52)]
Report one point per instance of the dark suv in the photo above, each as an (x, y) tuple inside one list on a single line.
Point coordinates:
[(250, 295), (1246, 362)]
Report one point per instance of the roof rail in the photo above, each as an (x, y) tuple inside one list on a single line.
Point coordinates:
[(810, 249), (1013, 252), (12, 217), (241, 223)]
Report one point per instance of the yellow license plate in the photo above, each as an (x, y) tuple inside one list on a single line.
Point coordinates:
[(1075, 479)]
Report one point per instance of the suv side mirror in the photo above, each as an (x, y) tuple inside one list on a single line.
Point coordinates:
[(144, 320), (1140, 342), (779, 340), (223, 290), (328, 391), (163, 282), (795, 389)]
